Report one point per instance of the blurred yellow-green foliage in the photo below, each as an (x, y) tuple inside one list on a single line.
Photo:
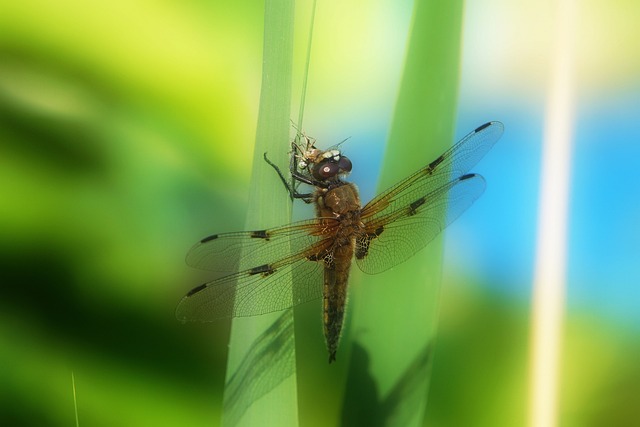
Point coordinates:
[(126, 132), (120, 123)]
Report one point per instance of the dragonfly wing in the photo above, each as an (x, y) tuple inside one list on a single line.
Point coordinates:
[(227, 252), (404, 218), (391, 239), (262, 289), (452, 164)]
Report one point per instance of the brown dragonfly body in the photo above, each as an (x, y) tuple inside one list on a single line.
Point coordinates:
[(311, 259), (342, 203)]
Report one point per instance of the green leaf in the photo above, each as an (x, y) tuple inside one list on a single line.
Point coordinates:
[(260, 382), (394, 314)]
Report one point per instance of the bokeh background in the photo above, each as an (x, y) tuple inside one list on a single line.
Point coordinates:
[(126, 135)]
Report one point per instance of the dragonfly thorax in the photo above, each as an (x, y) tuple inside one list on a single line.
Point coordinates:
[(338, 200)]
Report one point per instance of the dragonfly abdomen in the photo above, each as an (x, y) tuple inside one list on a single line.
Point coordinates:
[(336, 278)]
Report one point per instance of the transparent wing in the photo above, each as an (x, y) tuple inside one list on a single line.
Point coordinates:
[(277, 263), (394, 238), (249, 294), (452, 164), (228, 251)]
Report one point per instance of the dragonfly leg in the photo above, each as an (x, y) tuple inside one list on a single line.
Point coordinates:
[(293, 192)]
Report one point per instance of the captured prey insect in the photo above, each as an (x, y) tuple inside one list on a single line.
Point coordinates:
[(319, 251)]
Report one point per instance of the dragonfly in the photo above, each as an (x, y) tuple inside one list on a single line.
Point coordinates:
[(269, 270)]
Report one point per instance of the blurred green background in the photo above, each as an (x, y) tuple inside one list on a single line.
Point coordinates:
[(126, 133)]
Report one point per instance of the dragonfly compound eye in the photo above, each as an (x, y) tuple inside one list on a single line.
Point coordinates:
[(325, 170), (344, 164)]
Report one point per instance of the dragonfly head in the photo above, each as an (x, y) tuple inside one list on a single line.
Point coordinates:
[(322, 165), (328, 168)]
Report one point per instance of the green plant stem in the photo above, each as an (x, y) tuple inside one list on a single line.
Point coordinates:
[(261, 396), (395, 313)]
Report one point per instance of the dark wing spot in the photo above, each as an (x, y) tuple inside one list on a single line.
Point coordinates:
[(415, 205), (260, 234), (314, 257), (467, 176), (484, 126), (196, 289), (435, 163), (362, 247), (264, 269), (209, 238), (320, 256)]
